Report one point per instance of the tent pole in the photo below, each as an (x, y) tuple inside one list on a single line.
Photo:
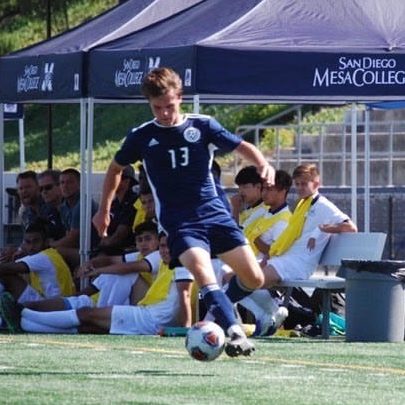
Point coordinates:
[(354, 163), (367, 171), (2, 175), (391, 151), (83, 107), (89, 174), (196, 103), (343, 166), (22, 143)]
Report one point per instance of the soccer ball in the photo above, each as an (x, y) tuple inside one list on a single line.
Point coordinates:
[(205, 341)]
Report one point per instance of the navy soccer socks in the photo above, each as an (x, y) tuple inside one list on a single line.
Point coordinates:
[(236, 291), (219, 305)]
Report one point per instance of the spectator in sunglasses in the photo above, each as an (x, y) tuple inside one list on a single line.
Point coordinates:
[(51, 195)]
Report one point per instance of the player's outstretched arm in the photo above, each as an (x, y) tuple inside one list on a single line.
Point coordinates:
[(346, 226), (120, 268), (252, 154), (7, 269), (101, 219)]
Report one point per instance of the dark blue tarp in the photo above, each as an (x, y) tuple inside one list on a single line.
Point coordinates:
[(388, 105), (116, 69), (54, 69), (318, 50)]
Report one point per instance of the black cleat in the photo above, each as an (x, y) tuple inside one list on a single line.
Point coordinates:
[(239, 345)]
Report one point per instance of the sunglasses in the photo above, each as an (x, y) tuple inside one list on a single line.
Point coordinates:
[(47, 187)]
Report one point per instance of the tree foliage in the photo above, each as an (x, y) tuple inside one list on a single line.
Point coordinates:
[(24, 22)]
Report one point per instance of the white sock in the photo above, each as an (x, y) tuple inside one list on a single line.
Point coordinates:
[(209, 317), (235, 329), (31, 326), (250, 304), (55, 319), (265, 301)]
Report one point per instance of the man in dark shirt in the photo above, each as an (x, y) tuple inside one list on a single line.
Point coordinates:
[(122, 214)]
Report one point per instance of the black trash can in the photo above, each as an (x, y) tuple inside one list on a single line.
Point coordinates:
[(375, 300)]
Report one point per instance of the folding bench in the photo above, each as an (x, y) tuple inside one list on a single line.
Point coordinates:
[(354, 246)]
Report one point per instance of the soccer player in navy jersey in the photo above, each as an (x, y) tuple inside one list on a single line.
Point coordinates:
[(177, 151)]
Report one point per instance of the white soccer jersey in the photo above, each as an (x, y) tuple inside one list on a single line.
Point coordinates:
[(256, 212), (271, 234), (299, 262), (115, 289), (41, 264), (149, 319)]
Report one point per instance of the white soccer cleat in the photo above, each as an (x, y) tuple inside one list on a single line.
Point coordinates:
[(268, 325)]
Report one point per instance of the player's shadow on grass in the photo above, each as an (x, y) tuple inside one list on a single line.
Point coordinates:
[(160, 373), (300, 340), (170, 374)]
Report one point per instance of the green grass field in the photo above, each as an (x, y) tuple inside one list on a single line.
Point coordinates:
[(99, 369)]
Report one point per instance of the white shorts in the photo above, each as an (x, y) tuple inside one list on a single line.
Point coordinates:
[(292, 267), (132, 320)]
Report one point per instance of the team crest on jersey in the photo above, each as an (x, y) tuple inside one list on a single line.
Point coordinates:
[(192, 134)]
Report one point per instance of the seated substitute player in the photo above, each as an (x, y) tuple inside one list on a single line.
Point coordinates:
[(117, 286), (167, 303), (262, 230), (297, 251), (177, 151), (248, 200), (109, 289), (265, 225), (48, 272)]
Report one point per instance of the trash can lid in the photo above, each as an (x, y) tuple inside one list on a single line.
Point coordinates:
[(395, 268)]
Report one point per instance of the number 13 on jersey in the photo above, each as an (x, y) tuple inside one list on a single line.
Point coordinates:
[(179, 157)]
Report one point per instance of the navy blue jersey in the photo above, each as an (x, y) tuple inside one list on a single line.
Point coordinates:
[(177, 161)]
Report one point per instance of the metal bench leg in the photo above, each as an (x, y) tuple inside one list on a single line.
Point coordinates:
[(325, 313), (287, 296)]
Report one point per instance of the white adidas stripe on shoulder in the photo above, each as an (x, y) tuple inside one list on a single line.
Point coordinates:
[(196, 115), (142, 125)]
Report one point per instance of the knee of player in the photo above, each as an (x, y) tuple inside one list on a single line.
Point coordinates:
[(259, 280), (255, 281), (271, 277)]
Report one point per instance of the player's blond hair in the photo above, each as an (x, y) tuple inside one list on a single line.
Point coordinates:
[(308, 171)]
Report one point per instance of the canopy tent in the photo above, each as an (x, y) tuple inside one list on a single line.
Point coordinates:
[(258, 50), (54, 70), (280, 50), (116, 69), (268, 50)]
